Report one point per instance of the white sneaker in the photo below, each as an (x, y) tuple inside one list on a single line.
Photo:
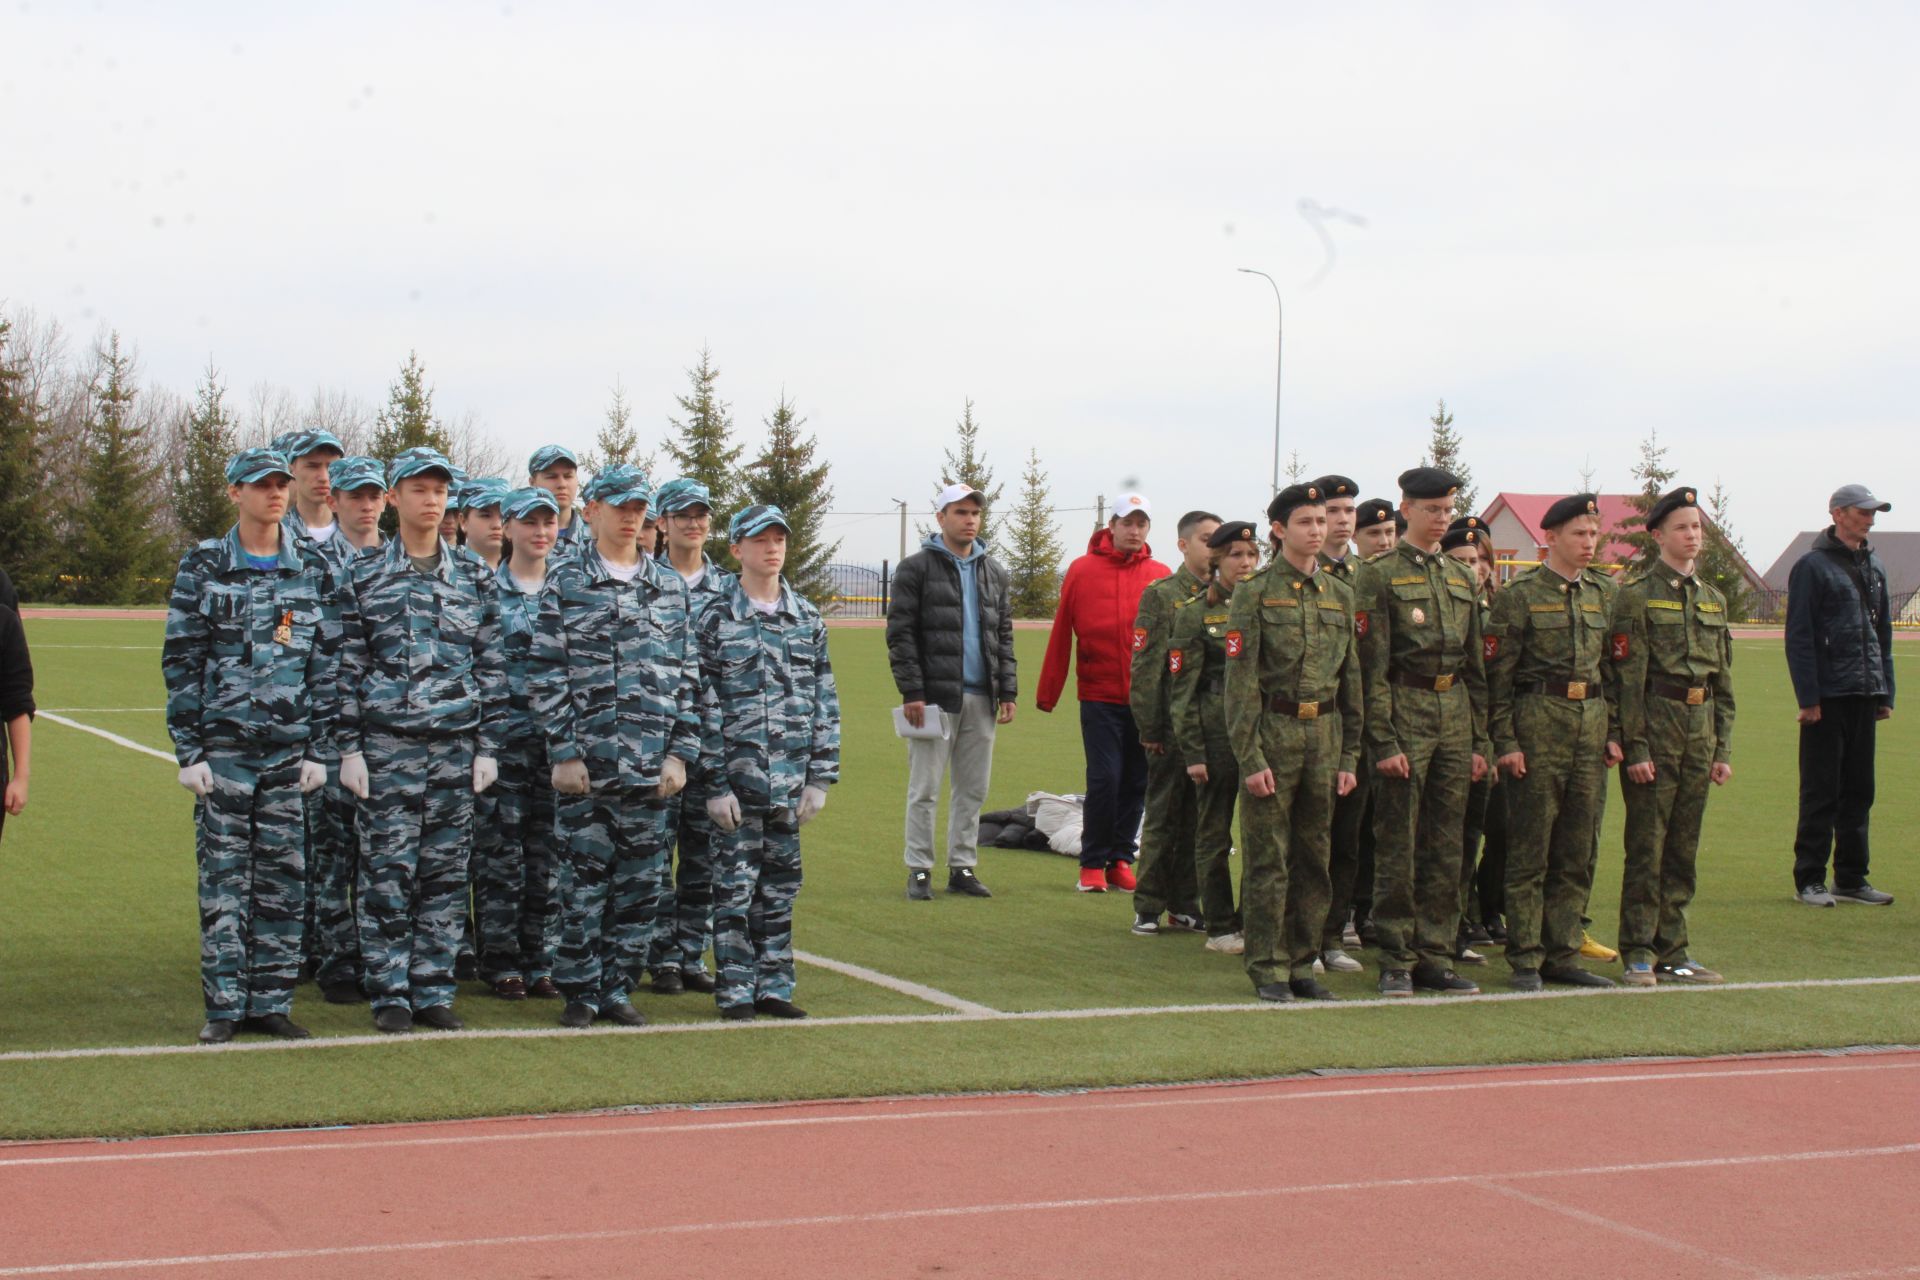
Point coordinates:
[(1339, 962), (1228, 944)]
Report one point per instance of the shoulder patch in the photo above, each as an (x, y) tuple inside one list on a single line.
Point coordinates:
[(1139, 639), (1235, 643), (1621, 646), (1489, 648), (1360, 623)]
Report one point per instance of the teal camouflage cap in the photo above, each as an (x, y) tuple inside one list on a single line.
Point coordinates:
[(488, 491), (522, 503), (298, 444), (356, 471), (681, 493), (249, 465), (546, 455), (756, 519), (619, 484), (418, 461)]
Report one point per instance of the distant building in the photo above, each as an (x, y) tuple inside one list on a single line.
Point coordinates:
[(1513, 522), (1899, 551)]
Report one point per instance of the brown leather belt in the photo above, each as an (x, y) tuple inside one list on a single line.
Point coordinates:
[(1692, 695), (1297, 710), (1438, 684), (1572, 690)]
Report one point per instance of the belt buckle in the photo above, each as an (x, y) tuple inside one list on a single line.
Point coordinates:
[(1577, 690), (1309, 711), (1442, 683), (1696, 696)]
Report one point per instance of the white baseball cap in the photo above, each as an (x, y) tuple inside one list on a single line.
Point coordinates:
[(954, 492), (1128, 503)]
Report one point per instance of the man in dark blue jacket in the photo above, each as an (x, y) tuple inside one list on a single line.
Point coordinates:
[(1840, 654)]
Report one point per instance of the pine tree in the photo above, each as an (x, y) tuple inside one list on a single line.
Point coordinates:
[(967, 464), (408, 420), (1443, 451), (1654, 476), (26, 536), (1722, 554), (1031, 549), (618, 442), (199, 473), (786, 476), (119, 551)]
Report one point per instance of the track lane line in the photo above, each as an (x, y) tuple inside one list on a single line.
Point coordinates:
[(1591, 1219)]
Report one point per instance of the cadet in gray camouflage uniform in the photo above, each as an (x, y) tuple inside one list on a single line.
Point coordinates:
[(310, 455), (423, 701), (249, 665), (771, 748), (614, 686)]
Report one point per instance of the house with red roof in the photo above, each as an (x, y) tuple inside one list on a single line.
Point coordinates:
[(1513, 523)]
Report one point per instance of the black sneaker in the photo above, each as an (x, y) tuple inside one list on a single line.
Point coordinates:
[(1572, 975), (1146, 926), (669, 982), (218, 1030), (1186, 922), (393, 1020), (962, 880), (277, 1025), (576, 1015), (1864, 895), (919, 886), (440, 1017), (775, 1007), (1274, 992), (1310, 989), (1444, 981), (697, 980), (623, 1013), (1396, 982), (1526, 980)]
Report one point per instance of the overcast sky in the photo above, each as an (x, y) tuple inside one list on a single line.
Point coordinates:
[(1580, 223)]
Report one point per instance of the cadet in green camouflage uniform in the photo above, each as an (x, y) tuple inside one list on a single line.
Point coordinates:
[(770, 749), (615, 687), (1350, 811), (1291, 664), (1465, 541), (249, 660), (1196, 704), (1164, 874), (1426, 735), (423, 700), (1673, 657), (1549, 720)]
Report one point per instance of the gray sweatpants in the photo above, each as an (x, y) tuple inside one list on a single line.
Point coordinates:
[(968, 751)]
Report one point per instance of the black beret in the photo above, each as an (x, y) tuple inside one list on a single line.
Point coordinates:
[(1336, 487), (1669, 504), (1576, 504), (1466, 522), (1372, 512), (1230, 532), (1459, 537), (1294, 495), (1428, 482)]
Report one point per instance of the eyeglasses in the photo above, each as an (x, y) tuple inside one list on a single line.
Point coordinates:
[(1433, 508), (691, 517)]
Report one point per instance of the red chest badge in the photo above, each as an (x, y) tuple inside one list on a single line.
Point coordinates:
[(1234, 644), (1360, 623), (1490, 647), (1619, 646), (1175, 661), (1139, 639)]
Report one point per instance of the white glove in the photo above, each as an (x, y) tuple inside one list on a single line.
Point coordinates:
[(673, 776), (812, 801), (486, 772), (313, 776), (725, 811), (198, 778), (570, 778), (353, 775)]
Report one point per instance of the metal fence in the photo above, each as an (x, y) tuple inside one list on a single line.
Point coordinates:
[(859, 590)]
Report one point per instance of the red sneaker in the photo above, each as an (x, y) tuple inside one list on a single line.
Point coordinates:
[(1093, 880), (1120, 876)]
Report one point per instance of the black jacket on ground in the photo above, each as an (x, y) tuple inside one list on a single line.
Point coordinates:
[(1839, 624), (924, 630)]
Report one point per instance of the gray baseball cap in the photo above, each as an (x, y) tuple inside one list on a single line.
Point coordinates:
[(1856, 495)]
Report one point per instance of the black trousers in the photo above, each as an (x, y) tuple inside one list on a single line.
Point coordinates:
[(1116, 784), (1836, 792)]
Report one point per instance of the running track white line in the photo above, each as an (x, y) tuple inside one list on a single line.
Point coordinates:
[(1631, 1232), (1298, 1008), (1116, 1101), (929, 994), (114, 738), (966, 1211)]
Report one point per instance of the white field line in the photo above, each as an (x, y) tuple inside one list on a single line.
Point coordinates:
[(114, 738), (931, 995), (118, 711), (1296, 1009), (122, 648), (888, 1216), (1113, 1100)]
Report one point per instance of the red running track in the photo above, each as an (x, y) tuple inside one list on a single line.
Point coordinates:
[(1792, 1166)]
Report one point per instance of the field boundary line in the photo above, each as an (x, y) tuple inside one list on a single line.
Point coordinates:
[(118, 711), (932, 995), (1296, 1009), (114, 738), (937, 1212)]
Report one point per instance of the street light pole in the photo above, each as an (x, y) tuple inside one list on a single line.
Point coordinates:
[(901, 503), (1280, 333)]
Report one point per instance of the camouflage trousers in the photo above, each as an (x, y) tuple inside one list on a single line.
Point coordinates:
[(1663, 832), (516, 869), (1551, 816), (1417, 825), (685, 930), (333, 845), (757, 877), (1165, 867), (1350, 831), (1283, 839), (613, 868), (251, 849), (1215, 801), (416, 832)]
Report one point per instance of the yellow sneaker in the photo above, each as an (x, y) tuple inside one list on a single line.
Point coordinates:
[(1591, 950)]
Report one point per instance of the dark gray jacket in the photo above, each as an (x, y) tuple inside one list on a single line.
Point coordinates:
[(1839, 624), (924, 629)]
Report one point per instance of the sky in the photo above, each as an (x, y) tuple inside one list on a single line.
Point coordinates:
[(1577, 224)]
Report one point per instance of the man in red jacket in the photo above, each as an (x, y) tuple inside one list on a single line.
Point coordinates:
[(1098, 602)]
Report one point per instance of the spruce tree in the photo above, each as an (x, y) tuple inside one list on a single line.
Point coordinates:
[(199, 474), (408, 420), (618, 442), (702, 447), (1031, 549), (966, 464), (118, 554), (786, 475), (1654, 476), (1444, 451), (1722, 553), (26, 536)]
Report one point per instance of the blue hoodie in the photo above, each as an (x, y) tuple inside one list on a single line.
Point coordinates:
[(973, 668)]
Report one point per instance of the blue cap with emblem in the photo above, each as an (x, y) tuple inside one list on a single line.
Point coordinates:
[(757, 518), (250, 465)]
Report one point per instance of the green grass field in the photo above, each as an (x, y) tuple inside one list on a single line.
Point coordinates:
[(99, 949)]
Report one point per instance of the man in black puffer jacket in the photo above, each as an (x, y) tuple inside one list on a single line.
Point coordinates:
[(1840, 654), (950, 642)]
